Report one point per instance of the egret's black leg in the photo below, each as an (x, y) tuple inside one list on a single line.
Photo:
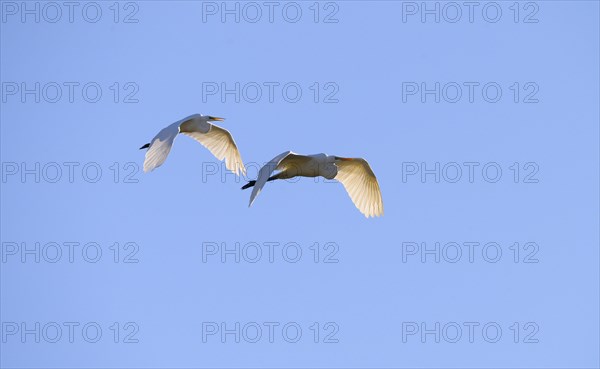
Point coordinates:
[(249, 184), (252, 183)]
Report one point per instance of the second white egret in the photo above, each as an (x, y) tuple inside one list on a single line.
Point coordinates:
[(354, 173)]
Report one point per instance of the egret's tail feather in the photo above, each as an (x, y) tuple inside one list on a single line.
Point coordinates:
[(145, 146), (248, 185)]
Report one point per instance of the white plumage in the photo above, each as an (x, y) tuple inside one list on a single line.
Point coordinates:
[(354, 173), (216, 139)]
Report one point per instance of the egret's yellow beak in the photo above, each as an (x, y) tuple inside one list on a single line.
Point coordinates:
[(216, 118)]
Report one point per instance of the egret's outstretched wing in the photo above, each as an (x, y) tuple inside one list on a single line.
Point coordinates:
[(220, 143), (160, 147), (361, 184), (280, 162)]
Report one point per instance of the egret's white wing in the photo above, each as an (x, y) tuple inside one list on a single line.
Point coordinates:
[(160, 147), (361, 184), (280, 162), (219, 142)]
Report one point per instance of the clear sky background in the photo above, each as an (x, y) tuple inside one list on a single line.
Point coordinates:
[(381, 300)]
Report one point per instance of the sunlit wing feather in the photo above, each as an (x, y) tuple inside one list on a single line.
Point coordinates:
[(221, 144), (361, 184)]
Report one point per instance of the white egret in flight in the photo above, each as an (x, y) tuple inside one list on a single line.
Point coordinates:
[(216, 139), (354, 173)]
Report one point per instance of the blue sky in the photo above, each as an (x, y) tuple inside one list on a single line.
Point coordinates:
[(482, 129)]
